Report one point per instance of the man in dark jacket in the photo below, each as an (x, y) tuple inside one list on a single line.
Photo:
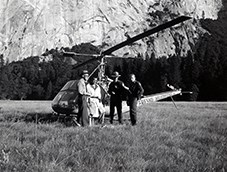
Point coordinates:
[(116, 91), (135, 92)]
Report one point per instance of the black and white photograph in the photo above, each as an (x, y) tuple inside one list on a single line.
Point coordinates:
[(113, 85)]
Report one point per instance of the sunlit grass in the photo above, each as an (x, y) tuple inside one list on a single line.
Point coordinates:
[(192, 138), (14, 106)]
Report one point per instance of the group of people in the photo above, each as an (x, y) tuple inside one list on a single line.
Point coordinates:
[(89, 98)]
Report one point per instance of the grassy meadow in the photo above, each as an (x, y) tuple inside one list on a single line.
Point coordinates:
[(190, 138)]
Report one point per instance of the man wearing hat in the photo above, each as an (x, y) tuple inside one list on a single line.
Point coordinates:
[(135, 92), (82, 99), (116, 90)]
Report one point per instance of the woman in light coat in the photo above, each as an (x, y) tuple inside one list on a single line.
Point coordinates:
[(96, 107)]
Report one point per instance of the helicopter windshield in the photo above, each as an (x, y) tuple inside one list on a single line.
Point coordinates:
[(71, 85), (66, 98)]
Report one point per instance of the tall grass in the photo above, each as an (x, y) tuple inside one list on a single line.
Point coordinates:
[(192, 138)]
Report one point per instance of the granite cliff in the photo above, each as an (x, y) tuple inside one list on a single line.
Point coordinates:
[(29, 27)]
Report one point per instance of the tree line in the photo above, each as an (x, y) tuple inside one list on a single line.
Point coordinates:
[(203, 71)]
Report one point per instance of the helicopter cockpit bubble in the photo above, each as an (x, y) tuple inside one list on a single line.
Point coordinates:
[(65, 102)]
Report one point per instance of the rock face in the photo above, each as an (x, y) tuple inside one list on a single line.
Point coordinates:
[(29, 27)]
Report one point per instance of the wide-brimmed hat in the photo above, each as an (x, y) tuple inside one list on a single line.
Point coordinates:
[(84, 72), (115, 74)]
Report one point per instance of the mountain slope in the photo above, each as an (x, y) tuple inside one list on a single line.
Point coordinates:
[(28, 28)]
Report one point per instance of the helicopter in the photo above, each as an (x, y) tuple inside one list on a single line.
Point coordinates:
[(65, 101)]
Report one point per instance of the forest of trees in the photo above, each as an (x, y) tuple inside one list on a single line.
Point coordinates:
[(203, 71)]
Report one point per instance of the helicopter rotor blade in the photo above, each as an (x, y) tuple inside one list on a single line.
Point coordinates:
[(128, 41), (73, 54), (70, 54), (88, 61), (146, 33)]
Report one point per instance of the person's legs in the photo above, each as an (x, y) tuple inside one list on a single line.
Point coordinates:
[(133, 111), (112, 105), (119, 111), (84, 110), (101, 118), (101, 111)]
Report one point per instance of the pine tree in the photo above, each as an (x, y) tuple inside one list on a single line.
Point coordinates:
[(49, 91), (1, 61), (23, 89), (174, 71)]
